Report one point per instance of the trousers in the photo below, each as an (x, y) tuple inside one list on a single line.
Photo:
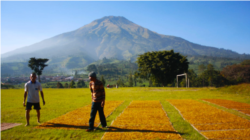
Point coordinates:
[(96, 106)]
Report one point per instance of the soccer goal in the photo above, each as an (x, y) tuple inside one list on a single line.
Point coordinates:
[(187, 80)]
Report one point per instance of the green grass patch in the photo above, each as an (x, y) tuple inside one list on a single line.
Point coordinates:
[(237, 89), (182, 126), (61, 101)]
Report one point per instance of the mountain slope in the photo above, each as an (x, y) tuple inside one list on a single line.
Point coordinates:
[(110, 37)]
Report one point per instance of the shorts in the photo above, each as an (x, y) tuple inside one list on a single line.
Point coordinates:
[(36, 106)]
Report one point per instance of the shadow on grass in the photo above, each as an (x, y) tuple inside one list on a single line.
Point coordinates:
[(110, 129), (116, 129), (62, 126)]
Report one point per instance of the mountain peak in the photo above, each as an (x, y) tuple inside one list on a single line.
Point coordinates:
[(117, 20), (111, 37), (114, 17), (112, 24)]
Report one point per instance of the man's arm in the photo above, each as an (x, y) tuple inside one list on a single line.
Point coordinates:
[(41, 92), (25, 95), (103, 102), (90, 88), (42, 97)]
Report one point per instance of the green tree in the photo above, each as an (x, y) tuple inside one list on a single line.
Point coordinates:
[(237, 73), (92, 67), (201, 69), (211, 77), (66, 85), (210, 73), (120, 82), (140, 81), (245, 62), (80, 83), (72, 84), (130, 80), (59, 85), (103, 80), (76, 74), (105, 60), (183, 82), (150, 83), (210, 67), (37, 65), (192, 76), (163, 66), (135, 77)]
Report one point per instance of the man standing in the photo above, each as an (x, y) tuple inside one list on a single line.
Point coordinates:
[(98, 101), (32, 88)]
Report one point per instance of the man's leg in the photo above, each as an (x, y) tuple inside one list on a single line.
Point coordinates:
[(38, 115), (37, 108), (27, 117), (102, 116), (92, 116)]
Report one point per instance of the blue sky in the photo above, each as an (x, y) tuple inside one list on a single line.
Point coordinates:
[(217, 24)]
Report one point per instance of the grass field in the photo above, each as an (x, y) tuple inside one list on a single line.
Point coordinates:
[(61, 101)]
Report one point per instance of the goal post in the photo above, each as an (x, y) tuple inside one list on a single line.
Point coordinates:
[(187, 80)]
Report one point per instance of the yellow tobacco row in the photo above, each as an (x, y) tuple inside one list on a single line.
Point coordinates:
[(213, 123), (142, 120), (223, 126), (229, 134), (140, 135), (79, 118), (243, 107)]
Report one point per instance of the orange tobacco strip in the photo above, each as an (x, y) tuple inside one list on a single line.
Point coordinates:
[(242, 107), (212, 123), (79, 118), (228, 134), (142, 120)]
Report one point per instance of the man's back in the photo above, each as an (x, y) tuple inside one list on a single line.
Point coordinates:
[(97, 89)]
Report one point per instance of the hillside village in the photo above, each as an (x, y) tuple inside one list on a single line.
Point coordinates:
[(44, 79)]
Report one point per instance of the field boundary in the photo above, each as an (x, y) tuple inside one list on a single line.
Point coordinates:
[(169, 118), (188, 121), (111, 113), (142, 120), (230, 123), (114, 120), (226, 107)]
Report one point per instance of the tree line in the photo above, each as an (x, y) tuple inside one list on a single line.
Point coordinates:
[(229, 75), (72, 84), (159, 68)]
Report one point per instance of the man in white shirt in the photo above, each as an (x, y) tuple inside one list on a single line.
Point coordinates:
[(32, 89)]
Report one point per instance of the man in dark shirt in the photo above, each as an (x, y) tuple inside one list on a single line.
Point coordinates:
[(98, 101)]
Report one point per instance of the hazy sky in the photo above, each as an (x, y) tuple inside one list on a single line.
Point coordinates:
[(217, 24)]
